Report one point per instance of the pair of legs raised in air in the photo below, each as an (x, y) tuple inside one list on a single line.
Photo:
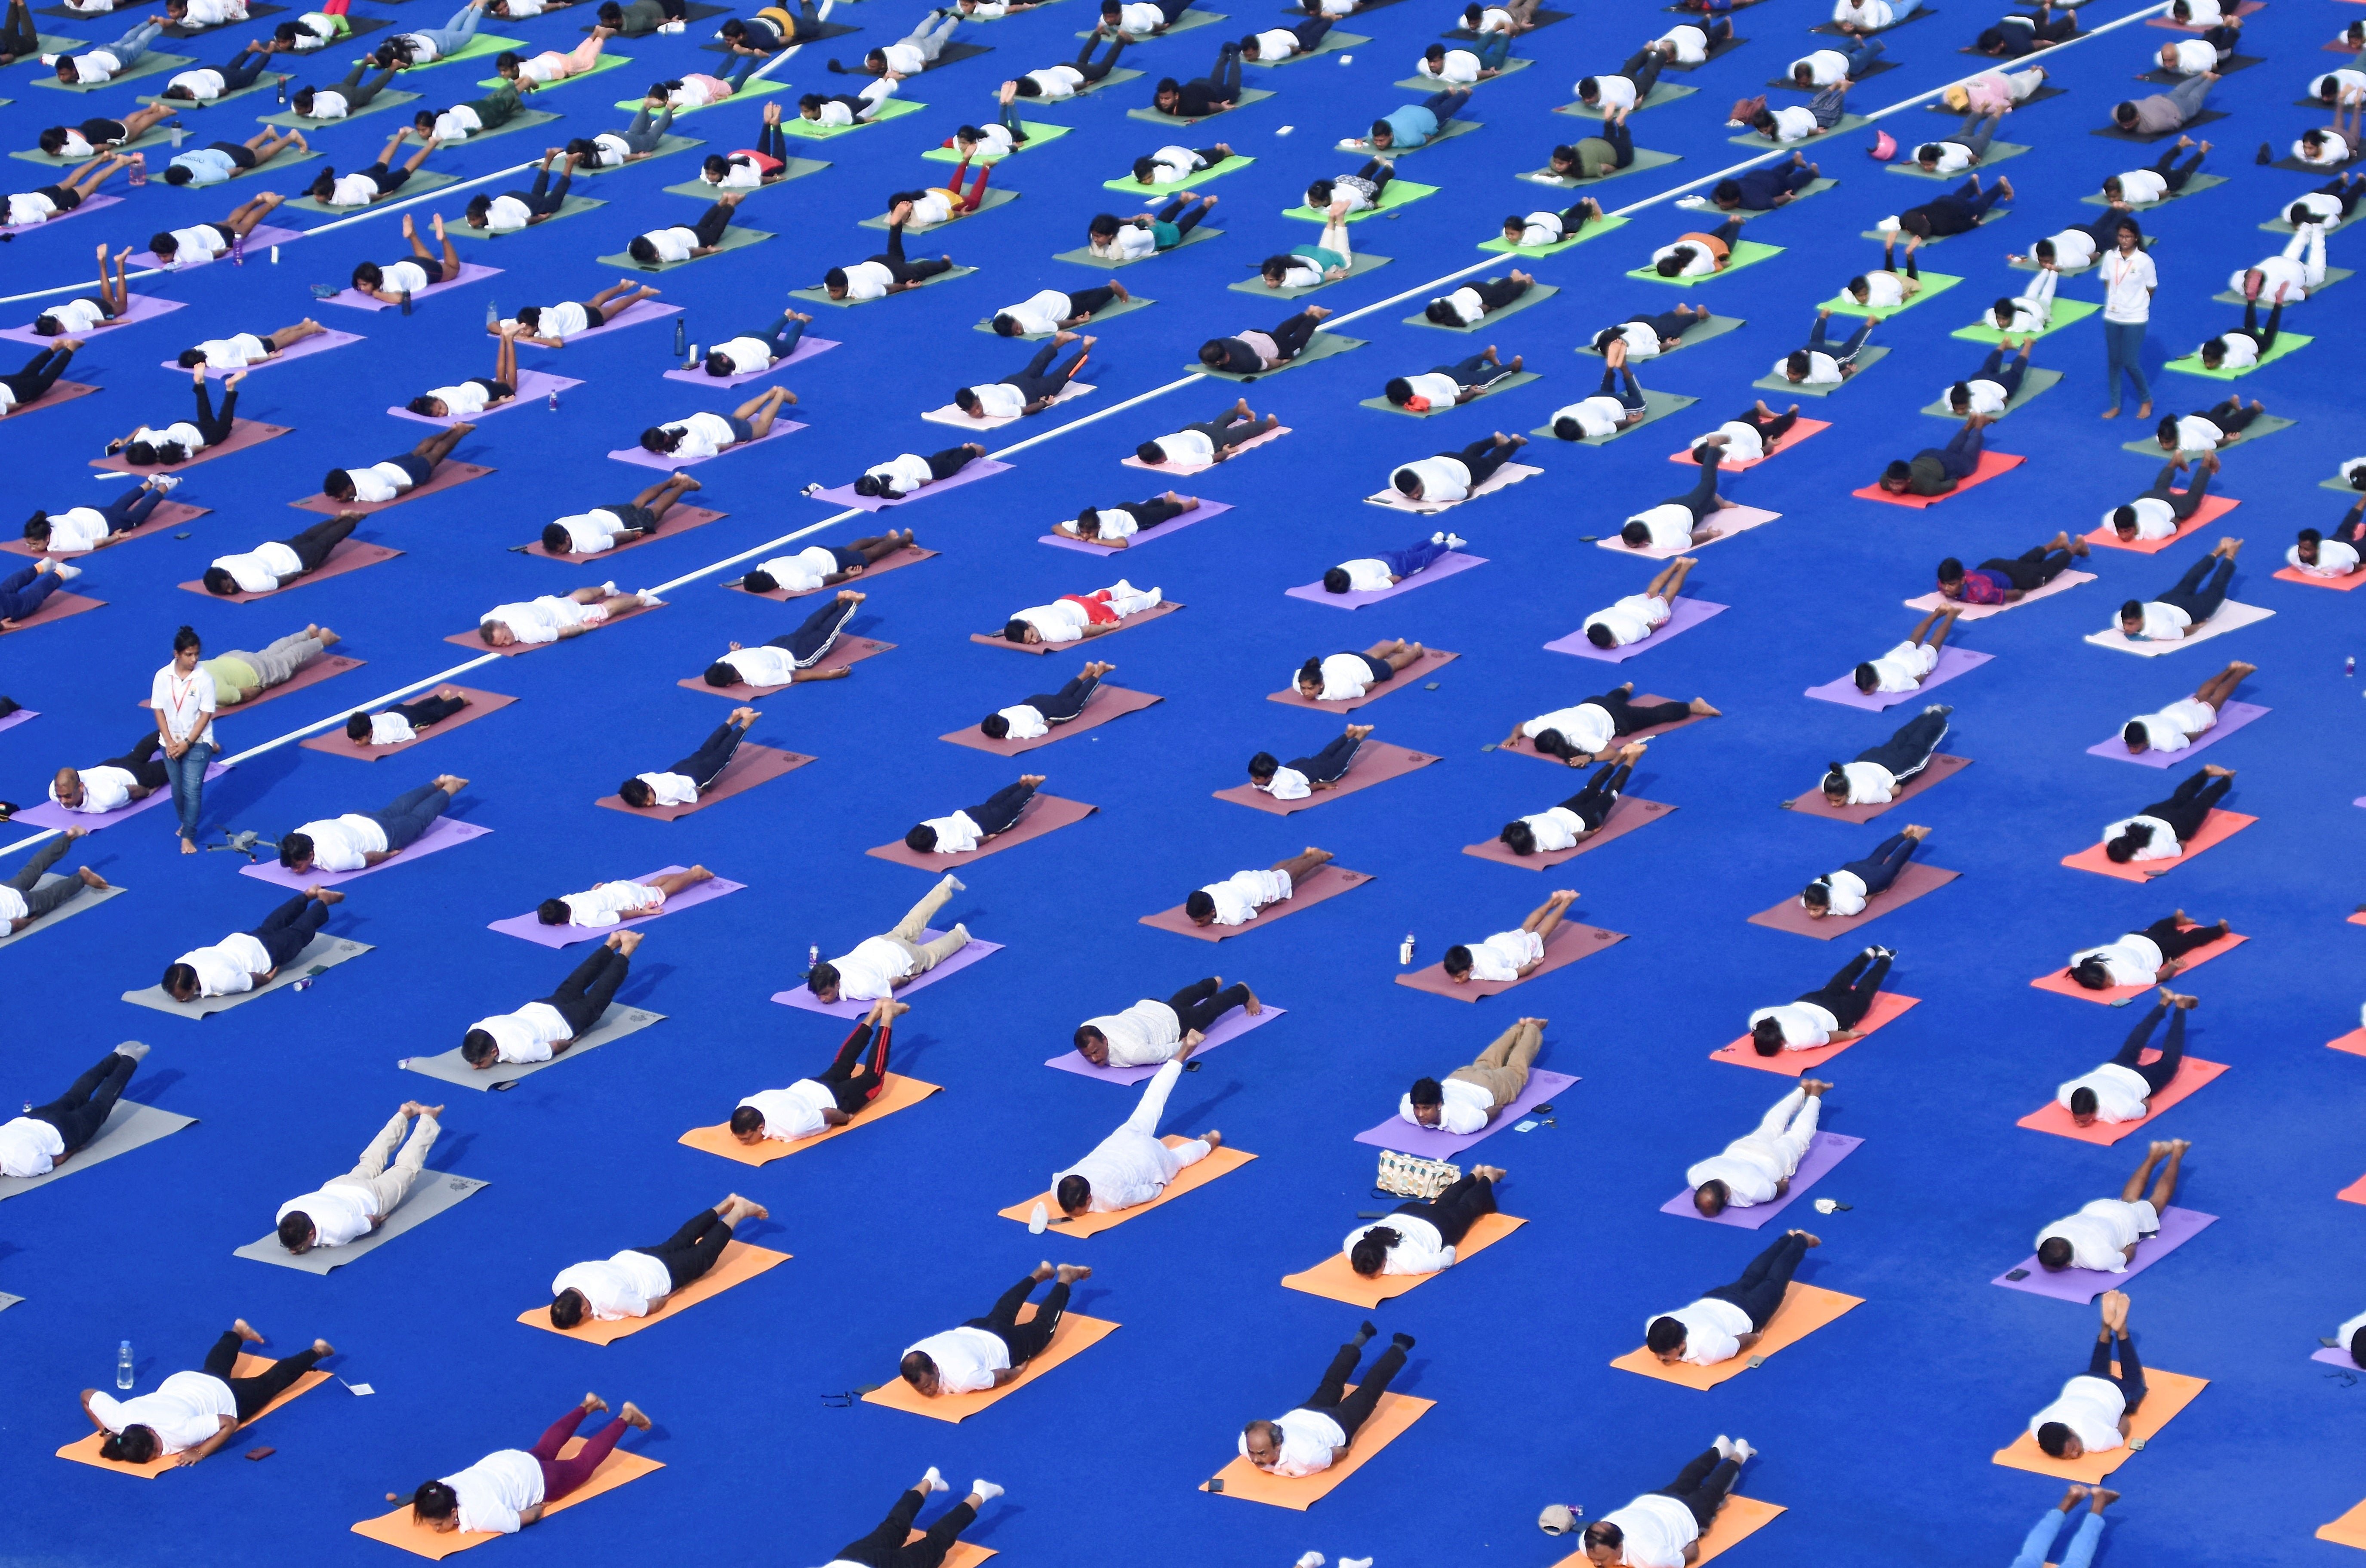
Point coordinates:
[(1540, 923), (1591, 805), (642, 515), (436, 1506), (1875, 873), (2056, 1252), (39, 900)]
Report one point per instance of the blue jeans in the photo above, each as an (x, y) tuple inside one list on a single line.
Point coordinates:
[(134, 44), (1492, 51), (21, 592), (1862, 54), (782, 336), (2124, 350), (1879, 869), (2042, 1536), (453, 35), (187, 775), (410, 814)]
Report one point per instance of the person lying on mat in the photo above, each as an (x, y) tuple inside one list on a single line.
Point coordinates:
[(363, 838), (1546, 227), (1150, 234), (1467, 305), (1820, 365), (1462, 67), (86, 528), (2242, 348), (1697, 255), (1757, 1167), (1996, 382), (472, 397), (175, 443), (1966, 148), (1612, 409), (530, 73), (2329, 147), (971, 826), (1117, 527), (1152, 1031), (1420, 1237), (1032, 719), (2096, 1411), (1358, 192), (1074, 616), (214, 240), (1886, 288), (1219, 90), (1131, 1167), (394, 477), (909, 472), (510, 1488), (243, 960), (78, 142), (1331, 258), (932, 206), (1054, 311), (515, 210), (824, 566), (2019, 34), (2145, 957), (552, 618), (2180, 611), (2028, 312), (840, 109), (114, 784), (1236, 900), (1662, 1529), (2186, 720), (314, 30), (684, 783), (610, 903), (366, 186), (1030, 391), (701, 435), (542, 1031), (22, 900), (1344, 677), (677, 243), (1729, 1319), (349, 1207), (1937, 470), (240, 350), (1312, 1438), (552, 325), (2004, 581), (399, 725), (66, 194), (619, 522), (1846, 892), (191, 1415), (884, 1548), (1172, 164), (1764, 189), (771, 30), (1470, 1097), (880, 966), (1248, 352), (2317, 556), (794, 657), (1375, 574), (2102, 1236), (1827, 1015), (46, 1136), (1690, 45), (1304, 775), (913, 53), (810, 1107), (2209, 429), (1411, 127), (1513, 955), (987, 1352), (1680, 520), (1633, 85), (1880, 772), (2328, 207), (752, 354), (414, 274), (1637, 615), (1578, 817), (1451, 477), (1209, 441), (341, 99), (1065, 81), (1905, 667), (637, 1281), (2122, 1088), (2160, 829), (108, 61), (1583, 733)]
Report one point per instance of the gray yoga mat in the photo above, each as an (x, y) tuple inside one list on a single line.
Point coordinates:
[(321, 952), (1716, 327), (129, 1126), (1657, 406), (1320, 346), (88, 898), (451, 1069), (2032, 383), (7, 1300), (1866, 359), (434, 1192)]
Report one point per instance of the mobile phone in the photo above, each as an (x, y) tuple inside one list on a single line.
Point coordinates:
[(1544, 1109), (261, 1454), (1217, 1485), (2017, 1275), (1757, 1361)]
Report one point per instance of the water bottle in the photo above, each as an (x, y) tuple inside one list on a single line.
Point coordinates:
[(1404, 952), (681, 338), (2349, 665), (123, 1378), (238, 250), (553, 400), (492, 315), (283, 92), (406, 301), (812, 958), (177, 134)]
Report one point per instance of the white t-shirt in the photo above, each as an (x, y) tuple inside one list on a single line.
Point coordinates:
[(1698, 264), (1026, 723), (2134, 959), (608, 903), (2163, 844), (1556, 828), (1419, 1249), (2333, 150), (390, 730), (28, 1146), (380, 481), (1657, 1529), (184, 1411), (1187, 446), (1903, 668), (2139, 186), (1442, 479), (590, 533), (1843, 893), (869, 972), (957, 834), (456, 123), (672, 244), (29, 207), (1713, 1327), (76, 317), (1502, 956), (1954, 157), (1057, 81), (340, 1215), (1143, 1035), (1869, 783), (1438, 391), (1805, 1025), (1671, 525), (671, 789), (353, 190), (905, 472), (1823, 370), (1345, 677), (627, 1285), (802, 572), (1642, 341), (1307, 1439), (1794, 122), (496, 1490), (2119, 1092), (229, 966), (503, 215), (2333, 559), (2100, 1232), (1041, 312), (1614, 92), (541, 620), (2162, 623), (1690, 43), (1463, 1108), (1631, 619), (327, 105), (102, 790), (793, 1112), (2193, 56), (702, 434), (562, 320), (95, 66), (528, 1034), (745, 354), (1240, 895), (1459, 69), (999, 399), (2128, 283), (342, 843), (234, 353), (1883, 289), (967, 1357), (1825, 66), (2073, 248), (1867, 13), (764, 665), (2091, 1408), (2173, 727), (466, 400), (2195, 434), (1596, 417), (1366, 575), (1588, 726)]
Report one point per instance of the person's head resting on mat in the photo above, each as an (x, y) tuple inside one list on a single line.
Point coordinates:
[(296, 1232), (1589, 90), (1075, 1194), (1088, 524), (1868, 680), (478, 214), (1672, 264), (566, 1308), (2132, 618), (1199, 908), (658, 438), (2123, 115), (1766, 1034), (478, 1049), (2119, 851), (1369, 1255), (1553, 743), (833, 283), (1762, 122), (1102, 230), (368, 276), (338, 485), (1428, 1097), (180, 982), (1959, 398), (1457, 964), (219, 581), (1665, 1338), (436, 1506), (1898, 477), (822, 981), (1384, 135), (1711, 1198), (133, 1445), (919, 1370), (296, 852), (1835, 789), (1798, 363)]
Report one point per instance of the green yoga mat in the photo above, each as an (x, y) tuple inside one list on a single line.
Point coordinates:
[(733, 239), (291, 121), (1188, 21), (1536, 295), (263, 84), (1502, 247), (160, 136), (423, 180), (1645, 158), (1866, 358), (791, 169), (1356, 268), (285, 161), (1155, 117), (2198, 183), (1321, 346), (1430, 85), (667, 144), (1037, 133), (148, 66), (1997, 153), (2066, 312), (2266, 424), (1845, 124), (1933, 285), (1745, 252), (992, 199), (1656, 406), (567, 208), (1715, 327), (1395, 193), (1993, 215), (1085, 257), (798, 125), (484, 46), (819, 296), (2333, 275), (2032, 383), (2286, 343), (605, 64), (1660, 92), (1500, 384), (1090, 90), (525, 119), (1107, 312), (1332, 43), (2337, 482), (1129, 184), (1816, 186)]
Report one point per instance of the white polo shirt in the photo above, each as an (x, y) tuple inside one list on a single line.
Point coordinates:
[(966, 1358), (1463, 1108), (627, 1285), (2119, 1092), (528, 1034)]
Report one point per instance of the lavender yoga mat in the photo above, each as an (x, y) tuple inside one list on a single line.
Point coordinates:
[(844, 496), (535, 931), (319, 343), (2231, 717), (142, 307), (803, 999), (259, 239), (666, 462), (22, 715), (1200, 513), (2333, 1356), (441, 835), (1952, 661), (633, 315), (49, 814), (1825, 1150), (806, 348), (1229, 1028), (90, 204), (1683, 616), (470, 272), (532, 387), (2178, 1227), (1446, 565), (1436, 1142)]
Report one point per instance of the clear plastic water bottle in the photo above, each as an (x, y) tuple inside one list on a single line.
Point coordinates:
[(553, 400), (1404, 953), (123, 1379), (813, 957), (492, 314), (238, 250)]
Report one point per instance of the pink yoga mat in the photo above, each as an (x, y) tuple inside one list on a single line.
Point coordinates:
[(319, 343), (844, 496), (336, 743), (89, 204), (806, 348), (1431, 660), (1800, 430), (312, 674), (1825, 1150), (1952, 661), (532, 928), (50, 814), (1230, 1027), (1108, 703), (1630, 813), (638, 313), (353, 299), (2334, 1355), (1445, 566), (167, 516), (56, 607), (2178, 1227), (1436, 1142), (141, 307), (1185, 470), (1571, 942), (448, 475), (850, 651), (1200, 513), (2231, 717), (1328, 882), (244, 434), (59, 392), (668, 462), (1813, 803), (750, 766), (801, 999), (1044, 814), (442, 834), (350, 555), (1683, 616), (1521, 746), (679, 519), (532, 387), (2063, 582), (22, 715), (1377, 761), (1912, 883), (259, 240), (996, 639), (910, 555)]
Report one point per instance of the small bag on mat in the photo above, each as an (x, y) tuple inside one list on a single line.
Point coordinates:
[(1411, 1176)]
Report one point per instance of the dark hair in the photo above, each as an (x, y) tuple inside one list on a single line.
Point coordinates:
[(323, 183), (217, 580), (2122, 850), (296, 1229), (1766, 1037), (2043, 250), (721, 673), (1073, 1194), (1990, 39), (2053, 1437), (435, 1500), (2054, 1253), (2135, 733), (1799, 363), (357, 726), (920, 839), (1457, 960), (1212, 354), (1199, 904), (1836, 780), (1443, 314), (1867, 678), (566, 1308), (2124, 113), (1673, 263), (1014, 630), (477, 1048), (1636, 533), (2082, 1101), (1086, 1031), (1334, 580), (2166, 429), (1664, 1334), (1553, 743), (190, 358), (1602, 1532), (1370, 1253), (1762, 122), (1310, 670), (1319, 193), (1857, 285), (2297, 215), (1959, 395), (821, 977), (2310, 537), (1803, 74), (1150, 451), (2132, 608), (1899, 472), (552, 912), (640, 250), (1004, 324), (1929, 150), (1588, 88), (368, 275), (1426, 1091), (760, 581), (1816, 895), (636, 791), (2358, 1347), (294, 847), (133, 1445), (1600, 635), (746, 1119), (1263, 766), (1520, 838), (916, 1364), (658, 438), (2091, 972), (1710, 1198), (176, 174), (338, 485), (1951, 571), (1407, 481), (37, 527), (994, 727), (556, 539)]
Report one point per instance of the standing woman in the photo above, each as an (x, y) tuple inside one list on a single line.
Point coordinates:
[(182, 697), (2128, 283)]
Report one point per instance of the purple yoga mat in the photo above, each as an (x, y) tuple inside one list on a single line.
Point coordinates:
[(535, 931), (666, 462), (442, 834), (1436, 1142), (259, 239), (2333, 1356), (532, 387), (50, 815), (354, 299), (1682, 616), (2178, 1227), (633, 315), (143, 307), (319, 343), (844, 496), (89, 204), (798, 997), (1200, 513), (806, 348), (22, 715), (1446, 565), (1229, 1028), (2231, 717), (1952, 661), (1824, 1151)]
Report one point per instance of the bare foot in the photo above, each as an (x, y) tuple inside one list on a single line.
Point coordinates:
[(1701, 709), (245, 1331), (1212, 1138), (89, 877), (1252, 1007), (593, 1404), (1069, 1273), (627, 941)]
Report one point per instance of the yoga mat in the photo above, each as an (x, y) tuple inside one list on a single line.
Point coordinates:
[(1683, 616), (1952, 661), (1660, 92), (2062, 584), (996, 639), (1775, 381), (1159, 193), (129, 1125), (2231, 717), (1257, 284), (1228, 1028), (1334, 1279), (2338, 584), (1569, 944), (1992, 465), (244, 434), (2066, 312), (146, 66), (2033, 382), (1502, 247), (322, 953), (849, 651), (1745, 252), (290, 119), (605, 63), (1502, 478), (1043, 814), (1997, 153), (336, 743), (1085, 257), (1183, 23), (1731, 520), (421, 182), (898, 1093), (1327, 882), (1805, 1309), (2216, 829), (89, 897), (1393, 1416), (1126, 306), (1534, 295), (1223, 1161), (1630, 813), (2166, 1393), (1912, 883), (1445, 566), (571, 207), (2231, 617), (844, 496), (434, 1192), (2350, 1530), (142, 307), (156, 136), (1717, 50), (1933, 285), (353, 299), (750, 766), (346, 554), (1887, 1006), (448, 475), (908, 555), (2178, 1227), (84, 1450), (2192, 1075), (679, 519), (323, 668), (805, 349), (1436, 1143), (1736, 1522), (447, 1067), (531, 928), (1037, 133), (673, 462), (618, 609), (814, 130), (532, 387), (977, 950), (950, 413), (1076, 1335), (319, 343), (632, 315), (1942, 766), (1656, 406), (1248, 96), (2266, 424), (734, 238), (1825, 1150), (1321, 346), (1108, 703), (2286, 343), (1200, 514), (1521, 746), (1186, 470), (397, 1528), (1376, 762), (442, 834), (1500, 384), (56, 607), (166, 516), (986, 203), (2212, 508), (1421, 670), (1396, 194), (22, 715), (737, 1264), (62, 392), (1799, 430), (49, 814)]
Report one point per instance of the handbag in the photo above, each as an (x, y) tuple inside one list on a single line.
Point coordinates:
[(1413, 1176)]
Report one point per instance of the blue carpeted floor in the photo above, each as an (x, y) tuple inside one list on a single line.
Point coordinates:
[(1876, 1432)]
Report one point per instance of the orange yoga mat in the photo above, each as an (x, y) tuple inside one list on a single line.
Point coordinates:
[(2166, 1395), (738, 1264), (963, 1555), (2350, 1530), (1076, 1335), (1991, 463), (2342, 584), (901, 1093), (2353, 1193), (397, 1528), (1333, 1279), (1224, 1162), (1740, 1518), (84, 1450), (1391, 1417), (2191, 1076), (2212, 508), (2354, 1042), (2216, 829), (2058, 981), (1805, 1309), (1886, 1008)]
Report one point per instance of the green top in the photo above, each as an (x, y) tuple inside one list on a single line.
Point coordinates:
[(231, 676)]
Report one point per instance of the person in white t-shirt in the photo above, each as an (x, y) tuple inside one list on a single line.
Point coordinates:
[(1462, 67), (243, 960), (24, 901), (1378, 573), (1827, 1015), (753, 354), (2351, 1337), (880, 966), (791, 658), (543, 1030), (1208, 442), (275, 563), (1030, 391), (1729, 1319), (193, 1413), (1151, 1033), (80, 529), (511, 1488), (2186, 720), (470, 397), (818, 567), (1074, 616), (1845, 892), (1509, 957), (2179, 612), (913, 52), (1578, 817), (1583, 732), (1131, 1166), (611, 903), (1819, 364), (702, 435), (2096, 1411), (390, 479), (2246, 345), (1905, 667), (1302, 776), (46, 1136), (987, 1352), (1312, 1438), (1472, 302), (810, 1107), (115, 783), (903, 475), (240, 350), (349, 1207), (684, 782), (108, 61), (1682, 520), (2145, 957), (1033, 718), (2163, 509), (414, 274), (885, 1548), (1617, 404), (26, 208), (619, 522), (2209, 429), (1049, 311), (2316, 555), (359, 839), (1469, 1097), (2104, 1235), (972, 826), (1116, 527), (1664, 1529), (367, 186), (1236, 900), (2161, 830), (1633, 83), (1421, 1236), (2290, 274), (1878, 773), (552, 325), (1757, 1167), (549, 617), (2122, 1088), (400, 724), (637, 1281)]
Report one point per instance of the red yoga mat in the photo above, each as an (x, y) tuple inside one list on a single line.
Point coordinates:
[(904, 557), (168, 514), (678, 520), (2212, 508), (244, 434), (996, 639), (849, 651), (1813, 803), (1992, 465), (2191, 1074), (1108, 703), (2216, 829), (56, 607), (2058, 981), (338, 744), (1800, 430), (1044, 814), (1630, 813), (2338, 584), (1431, 660), (1328, 882), (1567, 945), (1912, 883), (447, 475), (351, 555), (1376, 762), (59, 392), (750, 766)]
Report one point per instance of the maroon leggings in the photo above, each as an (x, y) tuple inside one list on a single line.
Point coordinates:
[(561, 1476)]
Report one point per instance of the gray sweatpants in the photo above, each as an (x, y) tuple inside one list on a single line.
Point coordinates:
[(39, 901), (276, 663)]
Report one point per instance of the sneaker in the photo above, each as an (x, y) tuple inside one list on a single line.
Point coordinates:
[(609, 588), (1158, 596), (164, 484)]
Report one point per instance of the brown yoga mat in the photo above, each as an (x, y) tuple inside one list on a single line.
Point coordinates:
[(1430, 661), (244, 434), (1108, 703), (1328, 882), (1044, 814), (1524, 747), (1791, 916), (677, 520), (996, 639), (750, 766), (338, 744), (904, 557), (619, 608), (351, 555), (1571, 942), (1630, 814), (1376, 762), (168, 514), (1813, 803), (446, 475), (322, 669), (59, 392), (850, 651), (56, 607)]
